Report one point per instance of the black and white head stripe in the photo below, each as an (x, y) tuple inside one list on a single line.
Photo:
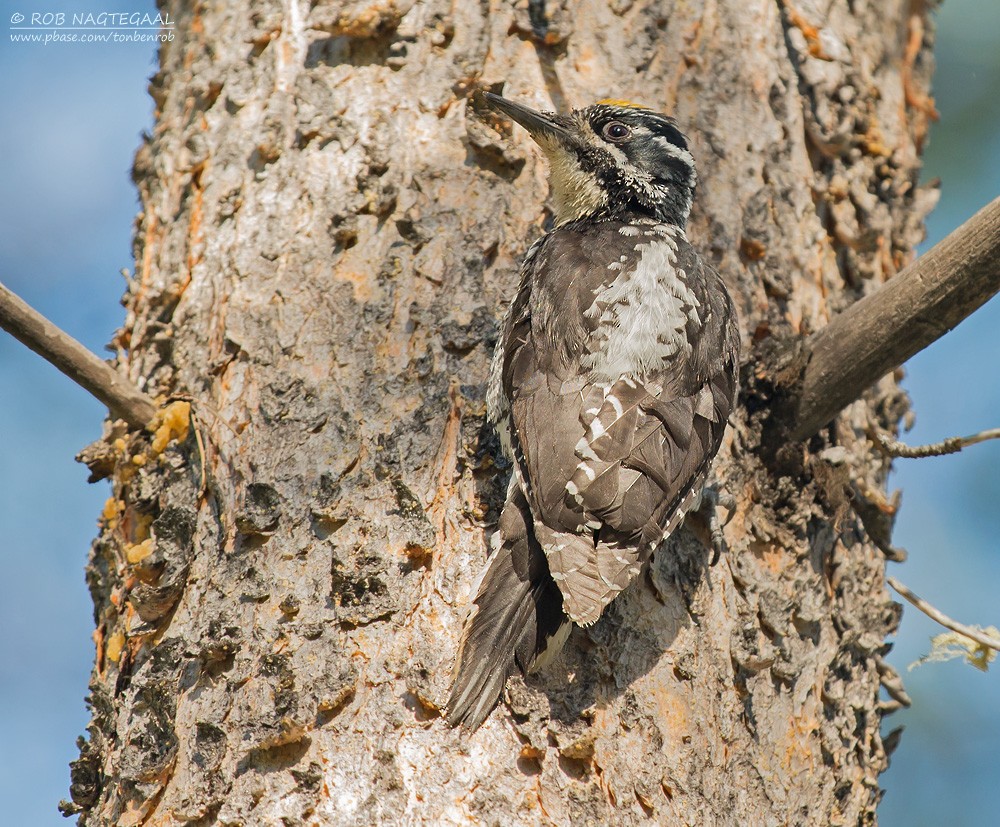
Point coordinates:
[(638, 158), (649, 140), (664, 125)]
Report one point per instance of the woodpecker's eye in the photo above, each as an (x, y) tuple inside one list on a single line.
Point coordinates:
[(615, 131)]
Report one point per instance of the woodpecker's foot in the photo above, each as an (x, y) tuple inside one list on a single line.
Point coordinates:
[(708, 514)]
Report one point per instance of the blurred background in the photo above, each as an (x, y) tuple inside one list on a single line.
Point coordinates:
[(72, 114)]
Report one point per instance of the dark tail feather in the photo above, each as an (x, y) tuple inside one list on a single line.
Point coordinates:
[(517, 612)]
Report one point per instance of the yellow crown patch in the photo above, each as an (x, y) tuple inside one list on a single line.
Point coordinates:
[(619, 102)]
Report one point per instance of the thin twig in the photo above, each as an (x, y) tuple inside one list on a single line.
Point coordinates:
[(952, 445), (940, 617), (94, 375), (881, 331)]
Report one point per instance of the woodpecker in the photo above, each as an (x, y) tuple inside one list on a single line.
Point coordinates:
[(610, 389)]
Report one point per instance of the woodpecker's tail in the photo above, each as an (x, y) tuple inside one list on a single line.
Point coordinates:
[(516, 619)]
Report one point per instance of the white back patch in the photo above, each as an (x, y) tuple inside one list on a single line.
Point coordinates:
[(645, 315)]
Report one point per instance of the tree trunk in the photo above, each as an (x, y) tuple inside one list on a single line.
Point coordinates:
[(329, 234)]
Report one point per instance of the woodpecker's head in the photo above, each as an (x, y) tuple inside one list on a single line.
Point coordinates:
[(610, 159)]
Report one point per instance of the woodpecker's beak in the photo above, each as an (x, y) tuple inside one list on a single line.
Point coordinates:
[(539, 124)]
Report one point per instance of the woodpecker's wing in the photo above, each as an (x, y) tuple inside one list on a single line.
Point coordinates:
[(609, 465)]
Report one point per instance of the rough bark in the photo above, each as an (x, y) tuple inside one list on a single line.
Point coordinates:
[(329, 234)]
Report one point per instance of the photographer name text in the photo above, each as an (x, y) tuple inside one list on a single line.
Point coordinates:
[(101, 20)]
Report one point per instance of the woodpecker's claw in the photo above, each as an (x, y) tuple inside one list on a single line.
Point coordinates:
[(711, 499)]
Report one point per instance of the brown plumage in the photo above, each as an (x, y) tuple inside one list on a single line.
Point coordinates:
[(611, 387)]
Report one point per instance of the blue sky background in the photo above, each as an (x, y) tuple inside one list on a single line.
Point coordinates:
[(72, 114)]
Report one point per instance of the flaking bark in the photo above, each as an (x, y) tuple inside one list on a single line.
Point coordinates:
[(329, 234)]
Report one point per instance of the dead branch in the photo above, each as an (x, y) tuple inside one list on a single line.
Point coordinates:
[(937, 615), (94, 375), (952, 445), (884, 329)]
